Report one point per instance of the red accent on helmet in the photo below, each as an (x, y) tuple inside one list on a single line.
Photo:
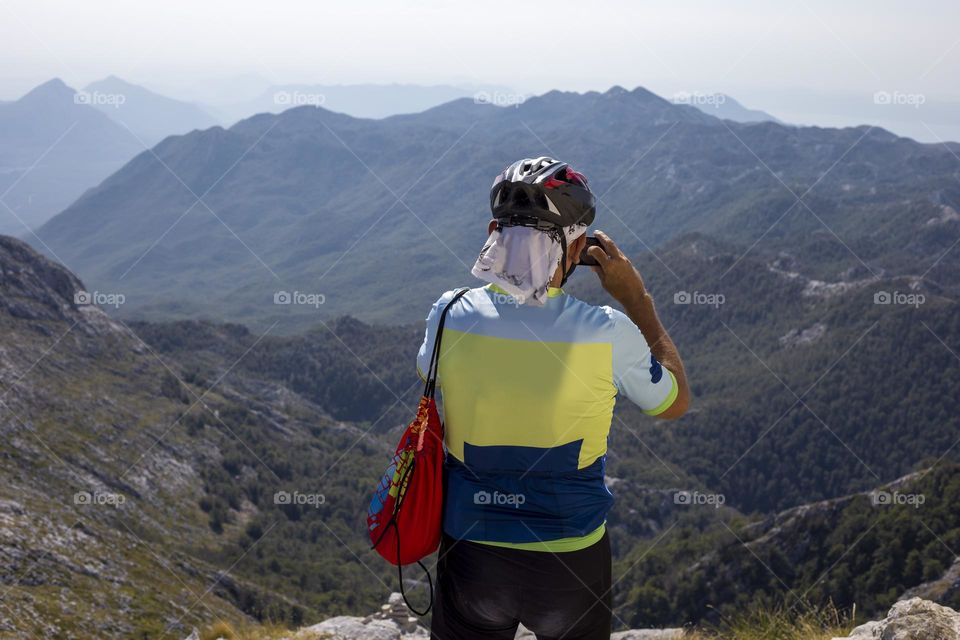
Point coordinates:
[(569, 176), (576, 177), (553, 183)]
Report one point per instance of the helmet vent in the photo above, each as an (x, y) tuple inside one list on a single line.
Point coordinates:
[(520, 199)]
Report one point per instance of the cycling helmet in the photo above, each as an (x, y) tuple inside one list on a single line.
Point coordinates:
[(545, 194), (544, 189)]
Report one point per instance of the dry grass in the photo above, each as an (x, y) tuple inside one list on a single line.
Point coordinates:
[(225, 631), (219, 630), (821, 623)]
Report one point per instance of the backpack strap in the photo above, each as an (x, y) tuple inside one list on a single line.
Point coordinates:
[(430, 387)]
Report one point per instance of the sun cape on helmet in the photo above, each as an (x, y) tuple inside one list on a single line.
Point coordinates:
[(540, 206)]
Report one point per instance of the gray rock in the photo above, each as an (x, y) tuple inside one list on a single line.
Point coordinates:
[(634, 634), (648, 634), (912, 619), (801, 337), (943, 589), (868, 630), (350, 628), (394, 621)]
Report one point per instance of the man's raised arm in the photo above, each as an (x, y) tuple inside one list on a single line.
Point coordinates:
[(622, 281)]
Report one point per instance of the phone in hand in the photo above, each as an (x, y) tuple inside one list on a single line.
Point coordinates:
[(586, 258)]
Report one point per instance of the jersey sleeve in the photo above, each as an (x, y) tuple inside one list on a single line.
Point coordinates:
[(426, 349), (636, 372)]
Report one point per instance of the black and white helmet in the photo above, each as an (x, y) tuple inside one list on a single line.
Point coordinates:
[(543, 191)]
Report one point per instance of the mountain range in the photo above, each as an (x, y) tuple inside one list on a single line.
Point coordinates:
[(358, 100), (54, 148), (377, 217)]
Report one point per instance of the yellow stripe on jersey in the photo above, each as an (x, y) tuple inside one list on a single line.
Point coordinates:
[(668, 401), (526, 393), (562, 545)]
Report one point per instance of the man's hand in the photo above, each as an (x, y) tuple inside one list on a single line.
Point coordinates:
[(622, 281), (617, 274)]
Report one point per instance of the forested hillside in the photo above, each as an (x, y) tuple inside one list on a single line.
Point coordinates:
[(133, 486), (864, 550)]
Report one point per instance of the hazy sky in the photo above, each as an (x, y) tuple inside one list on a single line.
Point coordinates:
[(809, 61)]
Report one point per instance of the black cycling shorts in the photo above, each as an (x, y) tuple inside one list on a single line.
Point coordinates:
[(486, 592)]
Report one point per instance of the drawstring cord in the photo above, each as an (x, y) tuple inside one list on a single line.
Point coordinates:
[(429, 391)]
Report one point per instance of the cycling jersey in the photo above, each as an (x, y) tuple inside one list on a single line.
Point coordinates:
[(528, 396)]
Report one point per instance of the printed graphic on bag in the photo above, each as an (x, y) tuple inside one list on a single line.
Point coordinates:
[(390, 487)]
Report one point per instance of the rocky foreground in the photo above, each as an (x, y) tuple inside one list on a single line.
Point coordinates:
[(395, 621), (911, 619)]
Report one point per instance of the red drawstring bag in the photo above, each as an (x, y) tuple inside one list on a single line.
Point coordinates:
[(404, 520)]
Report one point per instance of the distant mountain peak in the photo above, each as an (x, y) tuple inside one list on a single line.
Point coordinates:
[(52, 83), (54, 89), (152, 116), (112, 81), (554, 93), (643, 92)]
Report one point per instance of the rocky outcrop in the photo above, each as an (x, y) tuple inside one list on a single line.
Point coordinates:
[(943, 589), (33, 286), (912, 619), (44, 296), (634, 634), (394, 621), (802, 337)]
